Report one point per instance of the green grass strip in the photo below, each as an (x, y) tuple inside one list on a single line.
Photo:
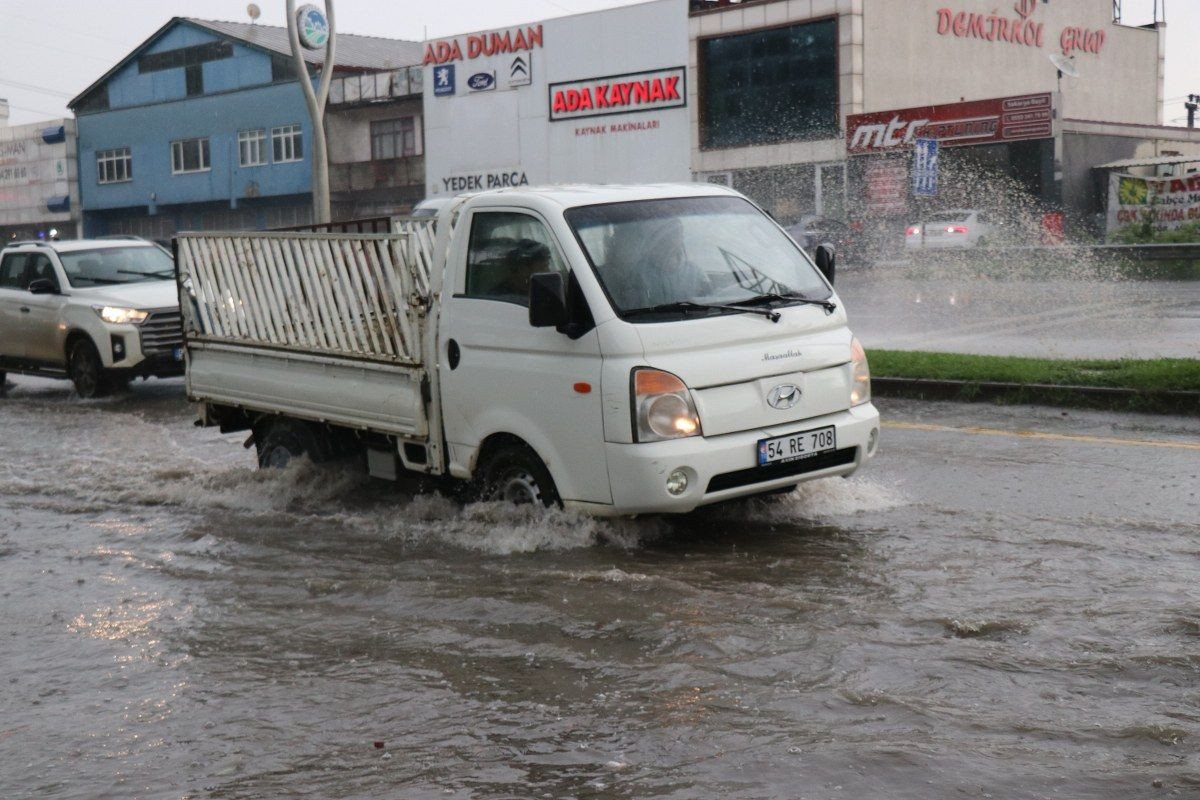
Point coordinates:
[(1145, 375)]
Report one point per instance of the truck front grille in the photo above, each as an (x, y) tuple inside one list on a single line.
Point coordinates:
[(161, 332), (748, 477)]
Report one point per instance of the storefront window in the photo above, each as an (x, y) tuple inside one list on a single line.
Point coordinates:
[(767, 86)]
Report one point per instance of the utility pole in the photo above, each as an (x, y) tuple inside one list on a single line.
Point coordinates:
[(310, 29), (1192, 105)]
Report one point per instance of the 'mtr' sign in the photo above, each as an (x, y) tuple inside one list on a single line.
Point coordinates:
[(652, 90)]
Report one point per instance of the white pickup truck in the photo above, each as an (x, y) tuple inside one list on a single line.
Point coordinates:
[(618, 350)]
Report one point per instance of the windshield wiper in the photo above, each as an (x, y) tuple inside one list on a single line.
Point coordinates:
[(170, 273), (789, 297), (685, 306)]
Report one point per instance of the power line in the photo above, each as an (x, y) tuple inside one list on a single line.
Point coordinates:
[(39, 89), (37, 111)]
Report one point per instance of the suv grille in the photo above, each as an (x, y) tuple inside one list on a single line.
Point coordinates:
[(161, 332)]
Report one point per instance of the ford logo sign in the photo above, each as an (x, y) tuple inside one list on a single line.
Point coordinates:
[(784, 396), (482, 81)]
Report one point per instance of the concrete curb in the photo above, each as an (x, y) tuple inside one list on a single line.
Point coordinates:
[(1116, 399)]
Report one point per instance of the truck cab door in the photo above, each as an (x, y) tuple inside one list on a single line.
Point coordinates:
[(499, 374)]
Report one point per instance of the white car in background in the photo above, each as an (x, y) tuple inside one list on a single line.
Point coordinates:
[(98, 312), (955, 229)]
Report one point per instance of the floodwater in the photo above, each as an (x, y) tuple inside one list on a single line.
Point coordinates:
[(978, 614), (896, 306)]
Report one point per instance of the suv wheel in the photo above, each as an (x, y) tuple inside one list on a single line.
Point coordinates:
[(87, 370)]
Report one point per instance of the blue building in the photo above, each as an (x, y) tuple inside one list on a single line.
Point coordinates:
[(204, 126)]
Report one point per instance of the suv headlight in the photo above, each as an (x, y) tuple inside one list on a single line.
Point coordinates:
[(860, 381), (120, 316), (662, 407)]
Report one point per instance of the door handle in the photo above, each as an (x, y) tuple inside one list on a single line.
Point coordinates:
[(24, 309)]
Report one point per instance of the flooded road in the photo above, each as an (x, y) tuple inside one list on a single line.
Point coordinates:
[(897, 306), (1005, 604)]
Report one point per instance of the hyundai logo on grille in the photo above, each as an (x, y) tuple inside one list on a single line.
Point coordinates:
[(784, 396)]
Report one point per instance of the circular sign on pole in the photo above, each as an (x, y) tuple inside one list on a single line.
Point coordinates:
[(312, 27)]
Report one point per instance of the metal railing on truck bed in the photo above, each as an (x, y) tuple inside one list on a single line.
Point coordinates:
[(352, 295)]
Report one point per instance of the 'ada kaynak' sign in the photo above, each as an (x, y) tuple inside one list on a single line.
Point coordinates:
[(652, 90)]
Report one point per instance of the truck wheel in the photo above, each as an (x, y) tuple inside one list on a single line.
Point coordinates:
[(516, 475), (86, 370), (286, 441)]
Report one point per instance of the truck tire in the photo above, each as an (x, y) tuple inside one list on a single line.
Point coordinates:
[(86, 370), (285, 441), (514, 473)]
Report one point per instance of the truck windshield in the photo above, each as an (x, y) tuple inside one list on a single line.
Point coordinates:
[(674, 255), (105, 266)]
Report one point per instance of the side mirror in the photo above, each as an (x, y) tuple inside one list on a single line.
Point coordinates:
[(42, 286), (547, 300), (826, 262)]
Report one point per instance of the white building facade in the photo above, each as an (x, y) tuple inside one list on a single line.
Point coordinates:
[(39, 186), (599, 97)]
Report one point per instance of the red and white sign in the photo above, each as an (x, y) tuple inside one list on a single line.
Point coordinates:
[(653, 90), (483, 45), (1004, 119), (886, 189)]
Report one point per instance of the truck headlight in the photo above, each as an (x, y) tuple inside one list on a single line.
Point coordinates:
[(663, 407), (860, 381), (120, 316)]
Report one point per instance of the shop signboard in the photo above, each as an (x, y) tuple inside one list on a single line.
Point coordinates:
[(652, 90), (886, 187), (1166, 203), (925, 168), (1001, 119)]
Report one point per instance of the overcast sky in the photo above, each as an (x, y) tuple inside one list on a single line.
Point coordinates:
[(55, 48)]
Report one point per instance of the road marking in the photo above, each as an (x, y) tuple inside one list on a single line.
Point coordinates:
[(1055, 437)]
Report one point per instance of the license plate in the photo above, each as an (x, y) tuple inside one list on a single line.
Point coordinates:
[(796, 446), (177, 353)]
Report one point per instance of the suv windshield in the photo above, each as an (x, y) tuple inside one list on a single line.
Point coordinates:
[(111, 265), (705, 251)]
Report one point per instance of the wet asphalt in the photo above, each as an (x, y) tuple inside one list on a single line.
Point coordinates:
[(1004, 604)]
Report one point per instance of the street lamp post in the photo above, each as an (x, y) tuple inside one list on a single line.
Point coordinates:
[(311, 29)]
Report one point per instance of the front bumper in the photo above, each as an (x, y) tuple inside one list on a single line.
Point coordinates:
[(638, 472)]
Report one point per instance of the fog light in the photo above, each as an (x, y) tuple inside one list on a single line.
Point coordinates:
[(872, 440), (118, 348), (677, 482)]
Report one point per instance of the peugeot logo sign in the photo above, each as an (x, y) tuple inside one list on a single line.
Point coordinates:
[(784, 396)]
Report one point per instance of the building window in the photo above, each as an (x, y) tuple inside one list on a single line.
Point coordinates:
[(283, 68), (287, 144), (185, 56), (189, 155), (114, 166), (193, 76), (252, 148), (768, 86), (393, 138)]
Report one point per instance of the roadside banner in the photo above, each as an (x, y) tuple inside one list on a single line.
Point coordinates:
[(1169, 203), (925, 168)]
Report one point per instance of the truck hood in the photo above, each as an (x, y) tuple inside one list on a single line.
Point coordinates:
[(720, 350), (732, 363), (146, 295)]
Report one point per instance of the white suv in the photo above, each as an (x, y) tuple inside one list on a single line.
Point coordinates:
[(99, 312)]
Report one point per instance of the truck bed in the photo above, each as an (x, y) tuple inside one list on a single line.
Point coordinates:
[(322, 326)]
